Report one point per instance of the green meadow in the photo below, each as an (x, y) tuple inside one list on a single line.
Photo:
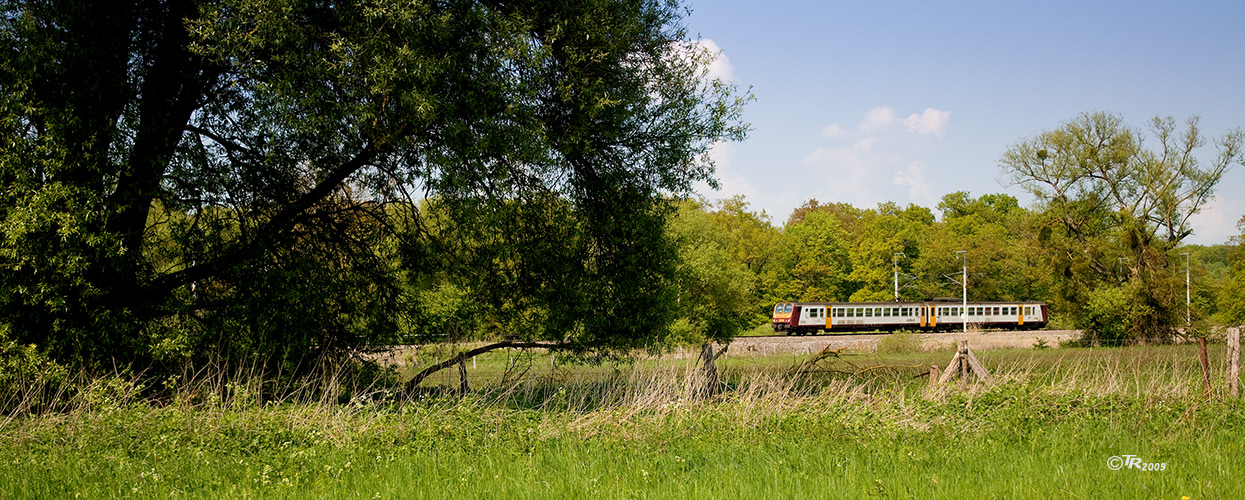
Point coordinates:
[(1047, 424)]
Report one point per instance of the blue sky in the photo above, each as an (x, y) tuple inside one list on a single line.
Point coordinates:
[(865, 102)]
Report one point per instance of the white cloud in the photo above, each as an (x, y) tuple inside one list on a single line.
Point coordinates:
[(919, 191), (843, 173), (720, 67), (831, 131), (706, 54), (877, 119), (931, 122), (1216, 222), (730, 183)]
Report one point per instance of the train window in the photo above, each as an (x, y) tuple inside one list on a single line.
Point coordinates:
[(894, 311), (778, 309), (851, 313), (860, 312), (886, 311), (787, 308), (868, 312)]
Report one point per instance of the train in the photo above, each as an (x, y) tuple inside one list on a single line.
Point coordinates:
[(802, 318)]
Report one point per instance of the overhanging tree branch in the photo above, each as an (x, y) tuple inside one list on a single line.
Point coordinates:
[(272, 230), (462, 356)]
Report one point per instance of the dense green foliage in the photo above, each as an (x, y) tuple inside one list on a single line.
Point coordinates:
[(239, 179), (185, 180)]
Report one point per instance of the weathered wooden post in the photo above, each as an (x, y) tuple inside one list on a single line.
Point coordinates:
[(1201, 341), (964, 364), (933, 376), (1234, 361)]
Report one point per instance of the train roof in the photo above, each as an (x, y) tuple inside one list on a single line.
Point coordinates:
[(919, 302)]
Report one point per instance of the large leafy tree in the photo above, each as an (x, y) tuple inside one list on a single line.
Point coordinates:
[(1106, 199), (241, 176)]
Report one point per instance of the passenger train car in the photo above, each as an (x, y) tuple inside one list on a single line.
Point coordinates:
[(802, 318)]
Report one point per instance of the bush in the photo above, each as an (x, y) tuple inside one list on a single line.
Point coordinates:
[(1107, 315), (900, 342)]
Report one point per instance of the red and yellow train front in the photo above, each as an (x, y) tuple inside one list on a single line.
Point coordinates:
[(782, 316)]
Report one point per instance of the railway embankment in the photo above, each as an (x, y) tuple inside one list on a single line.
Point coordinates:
[(771, 345)]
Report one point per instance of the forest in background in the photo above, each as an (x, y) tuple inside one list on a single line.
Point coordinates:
[(838, 252)]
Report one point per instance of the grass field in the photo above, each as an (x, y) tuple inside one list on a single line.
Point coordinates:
[(859, 426)]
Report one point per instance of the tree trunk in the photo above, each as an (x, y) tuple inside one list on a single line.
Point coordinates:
[(708, 384)]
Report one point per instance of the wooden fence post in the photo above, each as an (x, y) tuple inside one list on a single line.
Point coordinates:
[(964, 364), (1201, 342), (1234, 361)]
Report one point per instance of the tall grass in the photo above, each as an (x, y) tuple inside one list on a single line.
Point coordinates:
[(848, 426)]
